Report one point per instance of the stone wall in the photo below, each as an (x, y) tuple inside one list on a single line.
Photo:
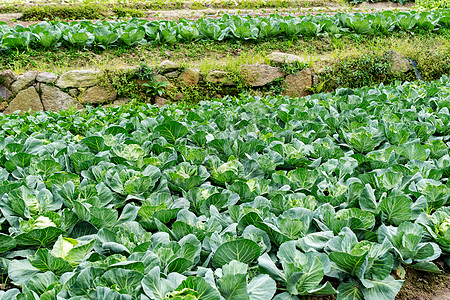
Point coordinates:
[(38, 91)]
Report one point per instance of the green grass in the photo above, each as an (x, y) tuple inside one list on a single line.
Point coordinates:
[(78, 6), (80, 11)]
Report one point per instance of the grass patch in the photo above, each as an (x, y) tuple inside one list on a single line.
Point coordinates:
[(132, 6), (77, 12), (368, 69)]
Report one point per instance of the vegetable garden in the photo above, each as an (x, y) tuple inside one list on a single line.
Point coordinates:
[(336, 195), (106, 34)]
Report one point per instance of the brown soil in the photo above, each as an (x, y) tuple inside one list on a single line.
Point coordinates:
[(418, 285), (315, 8), (426, 286)]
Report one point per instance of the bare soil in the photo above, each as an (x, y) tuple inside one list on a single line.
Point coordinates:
[(418, 285), (426, 286)]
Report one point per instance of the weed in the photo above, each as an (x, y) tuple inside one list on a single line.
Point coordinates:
[(145, 72), (124, 83), (155, 88), (294, 68), (275, 87), (318, 88)]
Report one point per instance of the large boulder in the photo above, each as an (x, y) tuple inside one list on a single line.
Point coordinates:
[(25, 100), (219, 77), (46, 77), (259, 75), (295, 85), (167, 66), (399, 63), (53, 99), (79, 78), (98, 94), (5, 94), (190, 77), (279, 58), (23, 81), (7, 77)]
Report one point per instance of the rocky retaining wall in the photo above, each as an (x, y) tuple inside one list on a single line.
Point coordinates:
[(38, 91)]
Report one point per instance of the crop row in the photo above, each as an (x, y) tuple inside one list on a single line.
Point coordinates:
[(104, 34), (246, 198)]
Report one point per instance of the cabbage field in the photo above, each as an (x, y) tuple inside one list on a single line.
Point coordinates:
[(243, 198), (135, 32)]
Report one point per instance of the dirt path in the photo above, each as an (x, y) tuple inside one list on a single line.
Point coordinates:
[(328, 7)]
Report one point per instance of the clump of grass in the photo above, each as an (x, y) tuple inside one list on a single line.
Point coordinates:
[(127, 12), (124, 83), (88, 11), (231, 63), (368, 69), (432, 64), (64, 12)]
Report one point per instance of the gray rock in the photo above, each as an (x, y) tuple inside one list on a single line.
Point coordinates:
[(279, 58), (167, 66), (79, 78), (54, 99), (160, 78), (190, 77), (97, 94), (178, 96), (295, 85), (46, 77), (23, 81), (7, 77), (25, 100), (173, 74), (399, 63), (324, 64), (219, 77), (260, 75), (160, 101), (5, 94)]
